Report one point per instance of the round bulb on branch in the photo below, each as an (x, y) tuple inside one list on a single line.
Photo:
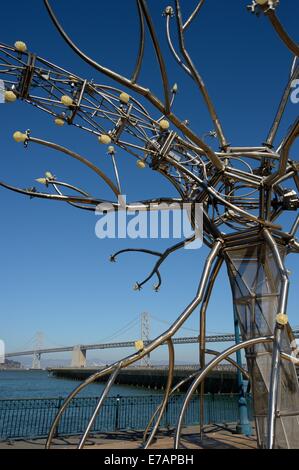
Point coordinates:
[(140, 164), (282, 319), (124, 98), (139, 345), (164, 125), (20, 136), (174, 88), (20, 46), (42, 180), (49, 175), (104, 139), (67, 100), (59, 122), (10, 97), (111, 150)]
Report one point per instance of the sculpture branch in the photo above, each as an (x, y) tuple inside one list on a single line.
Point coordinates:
[(141, 45), (33, 193), (198, 79), (159, 55), (146, 205), (138, 89), (288, 41), (56, 185), (104, 70), (282, 105), (78, 157), (193, 15), (168, 13), (162, 258), (241, 192)]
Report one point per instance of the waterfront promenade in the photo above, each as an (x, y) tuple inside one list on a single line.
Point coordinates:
[(215, 438)]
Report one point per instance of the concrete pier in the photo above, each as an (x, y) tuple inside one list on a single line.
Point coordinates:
[(221, 380)]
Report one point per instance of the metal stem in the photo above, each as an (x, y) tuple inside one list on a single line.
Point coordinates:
[(99, 405), (275, 365), (203, 374), (148, 348), (166, 395), (282, 33), (202, 335)]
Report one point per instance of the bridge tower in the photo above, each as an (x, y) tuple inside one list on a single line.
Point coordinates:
[(145, 335), (78, 357), (38, 345)]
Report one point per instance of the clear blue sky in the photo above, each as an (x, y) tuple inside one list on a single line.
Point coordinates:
[(55, 275)]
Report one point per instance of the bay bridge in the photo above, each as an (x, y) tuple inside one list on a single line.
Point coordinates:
[(78, 352)]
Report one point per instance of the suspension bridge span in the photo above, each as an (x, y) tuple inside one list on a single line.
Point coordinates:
[(79, 351)]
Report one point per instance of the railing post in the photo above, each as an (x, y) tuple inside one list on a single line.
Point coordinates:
[(209, 408), (60, 402), (167, 424), (116, 426)]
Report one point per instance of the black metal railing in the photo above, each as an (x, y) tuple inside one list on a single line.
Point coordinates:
[(32, 418)]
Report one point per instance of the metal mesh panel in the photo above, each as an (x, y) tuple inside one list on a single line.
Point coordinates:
[(255, 281)]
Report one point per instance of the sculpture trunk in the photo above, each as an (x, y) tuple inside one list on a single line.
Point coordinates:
[(256, 281)]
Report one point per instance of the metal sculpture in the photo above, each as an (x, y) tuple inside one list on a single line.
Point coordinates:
[(243, 191)]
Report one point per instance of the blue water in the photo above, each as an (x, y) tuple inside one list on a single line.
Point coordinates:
[(39, 384), (31, 418)]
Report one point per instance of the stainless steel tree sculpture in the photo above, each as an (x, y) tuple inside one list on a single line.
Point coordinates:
[(243, 191)]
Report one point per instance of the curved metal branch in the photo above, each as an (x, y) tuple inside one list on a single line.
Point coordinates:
[(284, 154), (282, 106), (275, 364), (198, 78), (147, 205), (289, 141), (33, 193), (171, 46), (116, 172), (192, 376), (133, 250), (141, 45), (162, 257), (173, 92), (206, 370), (193, 15), (166, 393), (142, 7), (151, 346), (202, 331), (214, 193), (142, 91), (99, 405), (67, 185), (78, 206), (288, 41), (159, 55), (115, 76), (80, 158)]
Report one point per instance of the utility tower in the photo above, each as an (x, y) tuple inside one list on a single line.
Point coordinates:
[(145, 335), (38, 345)]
